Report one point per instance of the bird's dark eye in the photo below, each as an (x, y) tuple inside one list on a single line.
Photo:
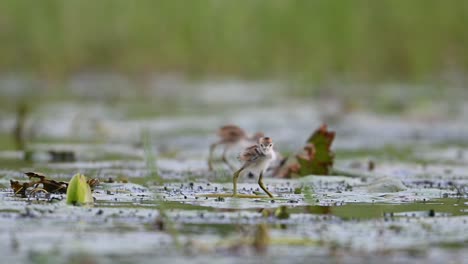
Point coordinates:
[(270, 145)]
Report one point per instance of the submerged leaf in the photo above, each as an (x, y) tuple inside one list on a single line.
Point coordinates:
[(79, 191)]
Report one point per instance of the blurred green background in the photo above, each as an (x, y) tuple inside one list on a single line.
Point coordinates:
[(356, 41)]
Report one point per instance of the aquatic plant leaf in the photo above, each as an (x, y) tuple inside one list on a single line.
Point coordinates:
[(39, 182), (79, 191), (19, 188), (288, 170), (318, 158), (49, 185)]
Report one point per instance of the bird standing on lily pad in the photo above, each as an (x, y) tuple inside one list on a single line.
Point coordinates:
[(256, 159)]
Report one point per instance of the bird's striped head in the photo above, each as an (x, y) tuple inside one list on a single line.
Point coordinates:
[(266, 144)]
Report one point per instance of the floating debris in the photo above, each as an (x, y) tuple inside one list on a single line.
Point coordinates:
[(40, 183)]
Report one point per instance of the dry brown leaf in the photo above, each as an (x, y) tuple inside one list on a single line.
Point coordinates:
[(40, 182)]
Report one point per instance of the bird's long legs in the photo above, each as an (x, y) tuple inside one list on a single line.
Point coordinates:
[(235, 176), (260, 182), (210, 157), (225, 160)]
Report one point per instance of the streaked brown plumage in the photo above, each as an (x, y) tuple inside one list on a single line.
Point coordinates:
[(256, 159), (250, 153), (230, 135)]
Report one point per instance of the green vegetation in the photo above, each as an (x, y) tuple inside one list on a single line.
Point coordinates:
[(78, 191), (377, 210), (150, 158), (305, 40)]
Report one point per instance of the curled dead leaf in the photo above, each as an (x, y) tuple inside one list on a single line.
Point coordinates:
[(40, 183), (51, 186), (19, 188)]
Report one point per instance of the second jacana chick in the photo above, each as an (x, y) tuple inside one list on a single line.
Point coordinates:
[(229, 137), (256, 159)]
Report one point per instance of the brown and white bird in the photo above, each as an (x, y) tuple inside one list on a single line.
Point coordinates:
[(256, 160), (231, 136)]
